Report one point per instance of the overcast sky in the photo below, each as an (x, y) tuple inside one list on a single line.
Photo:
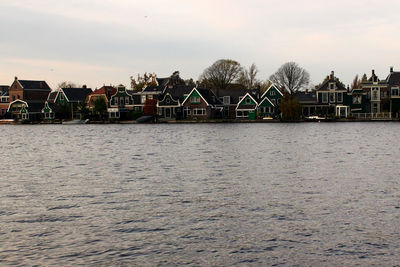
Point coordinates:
[(98, 42)]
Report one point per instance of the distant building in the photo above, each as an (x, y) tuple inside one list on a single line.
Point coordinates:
[(27, 98)]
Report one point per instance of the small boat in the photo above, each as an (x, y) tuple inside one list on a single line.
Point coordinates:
[(7, 121), (77, 121), (145, 119), (315, 118)]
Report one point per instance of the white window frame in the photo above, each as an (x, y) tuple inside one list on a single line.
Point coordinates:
[(226, 100), (325, 97), (396, 89), (143, 98), (340, 97), (332, 98)]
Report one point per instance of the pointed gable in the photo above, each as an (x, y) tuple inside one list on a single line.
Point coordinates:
[(247, 102)]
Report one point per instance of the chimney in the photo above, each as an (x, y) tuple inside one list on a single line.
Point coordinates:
[(391, 69), (15, 78), (84, 86), (332, 75), (306, 91), (373, 72)]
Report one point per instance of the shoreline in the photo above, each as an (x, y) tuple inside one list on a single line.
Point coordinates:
[(203, 121)]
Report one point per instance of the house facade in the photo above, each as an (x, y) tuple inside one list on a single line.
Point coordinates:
[(27, 98), (201, 104), (4, 100)]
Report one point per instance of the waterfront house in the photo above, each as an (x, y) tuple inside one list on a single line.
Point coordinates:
[(393, 82), (105, 93), (169, 104), (230, 97), (67, 101), (202, 104), (121, 102), (332, 97), (4, 100), (269, 102), (27, 98), (247, 107), (377, 98)]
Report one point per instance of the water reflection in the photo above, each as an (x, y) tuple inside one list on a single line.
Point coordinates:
[(228, 194)]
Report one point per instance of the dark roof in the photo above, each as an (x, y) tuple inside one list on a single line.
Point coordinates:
[(209, 96), (76, 94), (177, 92), (34, 85), (51, 97), (394, 79), (4, 90), (306, 97), (152, 89), (162, 81), (331, 79), (234, 94)]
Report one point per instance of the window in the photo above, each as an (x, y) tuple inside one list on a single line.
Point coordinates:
[(150, 97), (13, 97), (272, 93), (340, 97), (383, 95), (199, 111), (126, 100), (374, 94), (395, 91), (357, 99), (324, 97), (194, 99), (248, 101), (143, 99), (332, 97), (25, 116), (121, 100), (332, 86)]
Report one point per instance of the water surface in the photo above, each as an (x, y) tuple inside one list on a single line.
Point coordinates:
[(200, 195)]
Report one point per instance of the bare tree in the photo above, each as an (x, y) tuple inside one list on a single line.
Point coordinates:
[(248, 77), (220, 74), (67, 84), (291, 77)]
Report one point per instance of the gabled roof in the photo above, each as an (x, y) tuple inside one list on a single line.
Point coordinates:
[(76, 94), (34, 85), (207, 95), (177, 92), (393, 79), (105, 90), (271, 86), (52, 96), (265, 99), (250, 105), (331, 79)]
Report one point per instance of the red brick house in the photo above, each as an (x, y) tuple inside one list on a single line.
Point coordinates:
[(202, 104), (28, 97)]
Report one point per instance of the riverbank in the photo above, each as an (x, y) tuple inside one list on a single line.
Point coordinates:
[(11, 122)]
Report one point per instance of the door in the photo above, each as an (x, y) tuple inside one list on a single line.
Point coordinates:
[(168, 112)]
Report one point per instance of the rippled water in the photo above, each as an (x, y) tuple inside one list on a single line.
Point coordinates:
[(202, 194)]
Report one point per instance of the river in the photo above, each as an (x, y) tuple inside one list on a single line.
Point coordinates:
[(200, 194)]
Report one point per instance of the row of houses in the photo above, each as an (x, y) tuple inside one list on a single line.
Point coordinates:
[(177, 99)]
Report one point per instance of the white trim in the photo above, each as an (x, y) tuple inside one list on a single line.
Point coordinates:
[(8, 110), (238, 104), (55, 99), (270, 88), (191, 93), (179, 103), (266, 98)]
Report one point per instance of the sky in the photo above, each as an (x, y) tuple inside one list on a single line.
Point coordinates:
[(97, 42)]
